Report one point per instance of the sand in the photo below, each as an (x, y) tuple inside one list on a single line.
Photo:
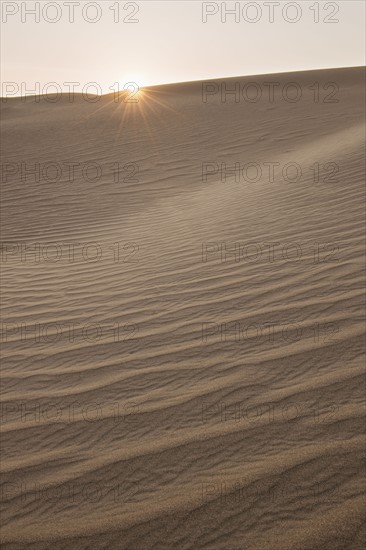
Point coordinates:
[(183, 347)]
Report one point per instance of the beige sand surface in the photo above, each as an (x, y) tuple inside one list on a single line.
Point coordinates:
[(225, 411)]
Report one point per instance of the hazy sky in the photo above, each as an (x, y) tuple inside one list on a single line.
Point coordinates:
[(169, 42)]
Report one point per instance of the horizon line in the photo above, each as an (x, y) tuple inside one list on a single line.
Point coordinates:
[(174, 83)]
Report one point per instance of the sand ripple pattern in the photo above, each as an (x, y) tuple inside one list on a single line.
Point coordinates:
[(187, 389)]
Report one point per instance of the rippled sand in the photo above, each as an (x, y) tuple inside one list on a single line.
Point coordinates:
[(183, 355)]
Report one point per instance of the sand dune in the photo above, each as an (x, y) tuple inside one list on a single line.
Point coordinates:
[(183, 344)]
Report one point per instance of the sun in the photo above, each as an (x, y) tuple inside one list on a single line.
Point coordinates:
[(132, 92), (131, 87)]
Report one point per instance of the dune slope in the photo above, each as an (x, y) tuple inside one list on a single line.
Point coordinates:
[(182, 318)]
